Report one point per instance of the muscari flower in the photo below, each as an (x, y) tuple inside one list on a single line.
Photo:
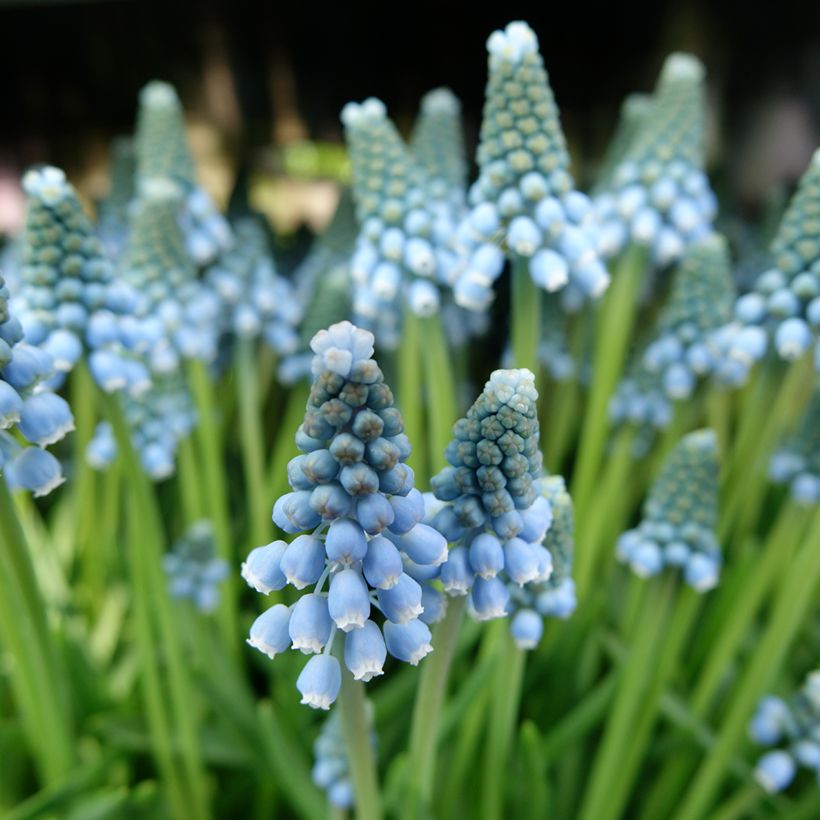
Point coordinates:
[(524, 204), (797, 462), (494, 504), (257, 301), (659, 196), (686, 343), (113, 211), (331, 769), (795, 726), (65, 278), (633, 114), (784, 305), (679, 517), (31, 416), (401, 254), (162, 153), (354, 500), (193, 568)]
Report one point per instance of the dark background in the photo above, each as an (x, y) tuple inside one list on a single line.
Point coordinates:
[(264, 73)]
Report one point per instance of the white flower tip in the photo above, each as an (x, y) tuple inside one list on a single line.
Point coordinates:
[(440, 101), (317, 701), (159, 94), (420, 653), (681, 66)]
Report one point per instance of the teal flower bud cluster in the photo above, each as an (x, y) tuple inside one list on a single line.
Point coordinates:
[(112, 214), (784, 305), (659, 196), (193, 568), (437, 143), (399, 257), (331, 769), (687, 343), (797, 462), (555, 597), (354, 495), (256, 301), (492, 507), (65, 278), (793, 728), (679, 517), (162, 153), (31, 416), (524, 204), (633, 114)]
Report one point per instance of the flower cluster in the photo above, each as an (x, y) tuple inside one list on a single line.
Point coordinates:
[(797, 462), (524, 200), (492, 507), (331, 770), (686, 344), (400, 252), (354, 493), (794, 724), (633, 114), (65, 278), (679, 516), (784, 304), (555, 597), (193, 568), (659, 197), (162, 153), (256, 300), (113, 211), (28, 407)]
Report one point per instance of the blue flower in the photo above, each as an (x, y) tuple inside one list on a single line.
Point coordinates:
[(657, 195), (679, 516), (353, 491), (775, 771), (797, 462), (193, 568), (524, 199)]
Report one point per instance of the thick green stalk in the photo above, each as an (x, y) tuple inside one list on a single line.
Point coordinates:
[(425, 725), (83, 400), (503, 716), (635, 684), (525, 322), (613, 331), (440, 383), (794, 597), (252, 438), (158, 627), (36, 683), (411, 398), (188, 481), (359, 749)]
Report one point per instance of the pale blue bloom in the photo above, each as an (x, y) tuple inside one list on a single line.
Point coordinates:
[(194, 569), (797, 462)]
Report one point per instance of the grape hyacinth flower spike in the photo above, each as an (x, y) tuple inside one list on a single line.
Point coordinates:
[(359, 515), (659, 196), (194, 569), (524, 203), (784, 304), (31, 416), (677, 528), (162, 153), (493, 509), (797, 462), (793, 728)]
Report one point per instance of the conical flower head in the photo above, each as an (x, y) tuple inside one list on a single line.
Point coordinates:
[(354, 494), (437, 142), (35, 415), (659, 196), (65, 276), (397, 257), (634, 111), (785, 301), (797, 463), (792, 728), (256, 300), (162, 153), (680, 515), (524, 202)]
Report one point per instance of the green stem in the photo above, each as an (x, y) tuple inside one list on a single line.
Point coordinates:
[(188, 479), (410, 398), (83, 400), (252, 439), (440, 383), (503, 715), (794, 597), (284, 448), (424, 729), (613, 331), (525, 329), (359, 749)]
